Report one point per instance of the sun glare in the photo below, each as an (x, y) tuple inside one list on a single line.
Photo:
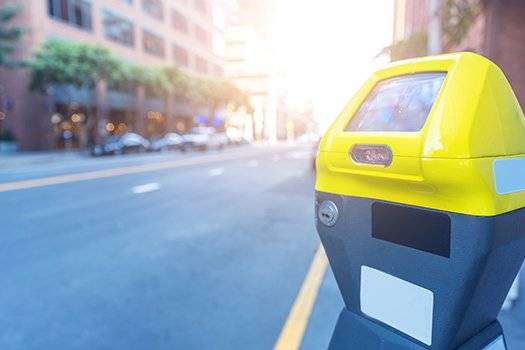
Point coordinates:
[(326, 49)]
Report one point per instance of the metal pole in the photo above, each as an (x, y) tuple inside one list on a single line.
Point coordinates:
[(434, 27)]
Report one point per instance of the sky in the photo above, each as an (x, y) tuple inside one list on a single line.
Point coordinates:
[(326, 48)]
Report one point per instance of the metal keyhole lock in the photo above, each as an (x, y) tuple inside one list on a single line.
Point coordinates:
[(328, 213)]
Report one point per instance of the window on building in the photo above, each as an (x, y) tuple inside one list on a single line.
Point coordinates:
[(76, 12), (200, 5), (118, 29), (153, 43), (179, 21), (129, 2), (180, 55), (154, 8), (201, 65), (202, 35)]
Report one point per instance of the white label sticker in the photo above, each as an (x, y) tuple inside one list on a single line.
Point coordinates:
[(509, 175), (400, 304)]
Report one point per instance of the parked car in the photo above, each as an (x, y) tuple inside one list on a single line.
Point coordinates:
[(168, 142), (204, 138), (126, 143)]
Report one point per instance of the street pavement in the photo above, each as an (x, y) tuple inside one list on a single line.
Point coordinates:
[(195, 257), (208, 252)]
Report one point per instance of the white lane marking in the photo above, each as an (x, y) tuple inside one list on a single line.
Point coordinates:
[(403, 305), (216, 171), (253, 163), (509, 175), (153, 186)]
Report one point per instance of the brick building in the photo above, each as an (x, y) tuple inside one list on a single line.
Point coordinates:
[(496, 31), (147, 32)]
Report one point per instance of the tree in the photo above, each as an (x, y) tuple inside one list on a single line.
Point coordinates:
[(79, 65), (413, 46), (63, 62), (125, 77), (9, 38), (154, 81), (178, 80), (219, 93), (457, 17), (201, 91), (84, 66), (9, 35)]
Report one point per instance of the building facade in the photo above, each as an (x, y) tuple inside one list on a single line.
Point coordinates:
[(146, 32), (495, 31), (250, 64)]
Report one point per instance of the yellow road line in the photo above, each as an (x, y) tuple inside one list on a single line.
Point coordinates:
[(133, 169), (293, 331)]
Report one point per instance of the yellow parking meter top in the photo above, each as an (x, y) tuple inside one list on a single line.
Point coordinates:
[(444, 132)]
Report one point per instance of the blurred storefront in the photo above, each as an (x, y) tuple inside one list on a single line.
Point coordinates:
[(156, 117), (147, 32), (72, 111)]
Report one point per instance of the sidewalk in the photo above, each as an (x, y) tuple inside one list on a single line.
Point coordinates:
[(11, 159)]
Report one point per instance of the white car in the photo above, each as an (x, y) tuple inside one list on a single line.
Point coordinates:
[(170, 141), (204, 138), (126, 143)]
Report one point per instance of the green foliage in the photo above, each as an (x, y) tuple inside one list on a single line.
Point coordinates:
[(9, 36), (154, 81), (220, 92), (179, 81), (126, 77), (457, 18), (413, 46), (83, 66), (205, 91), (62, 62)]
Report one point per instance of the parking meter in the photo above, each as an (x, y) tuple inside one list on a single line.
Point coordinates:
[(420, 198)]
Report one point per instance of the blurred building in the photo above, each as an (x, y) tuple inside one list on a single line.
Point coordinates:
[(147, 32), (493, 28), (250, 63)]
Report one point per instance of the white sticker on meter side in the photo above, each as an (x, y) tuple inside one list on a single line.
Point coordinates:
[(400, 304), (509, 175)]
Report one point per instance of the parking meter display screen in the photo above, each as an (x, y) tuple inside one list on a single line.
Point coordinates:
[(398, 104)]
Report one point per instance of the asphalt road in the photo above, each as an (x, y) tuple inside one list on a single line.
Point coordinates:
[(199, 256), (208, 251)]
